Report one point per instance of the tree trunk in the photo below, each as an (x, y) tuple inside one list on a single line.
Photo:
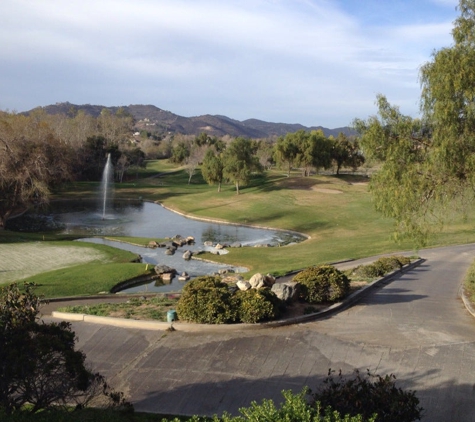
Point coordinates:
[(237, 188), (219, 187)]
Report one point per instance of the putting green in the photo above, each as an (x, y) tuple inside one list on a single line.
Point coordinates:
[(19, 261)]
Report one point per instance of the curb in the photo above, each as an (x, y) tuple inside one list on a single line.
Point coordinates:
[(186, 327)]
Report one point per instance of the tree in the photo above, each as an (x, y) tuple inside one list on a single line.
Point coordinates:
[(321, 148), (406, 184), (212, 168), (129, 158), (346, 153), (428, 166), (239, 162), (194, 159), (306, 150), (180, 153), (265, 152), (286, 151), (32, 161), (39, 365)]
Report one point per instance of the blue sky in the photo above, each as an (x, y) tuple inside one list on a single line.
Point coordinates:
[(314, 62)]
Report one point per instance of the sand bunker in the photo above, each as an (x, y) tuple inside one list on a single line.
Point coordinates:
[(325, 190)]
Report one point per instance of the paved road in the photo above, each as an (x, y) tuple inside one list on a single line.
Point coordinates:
[(415, 327)]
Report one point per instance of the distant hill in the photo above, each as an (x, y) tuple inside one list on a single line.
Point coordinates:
[(154, 119)]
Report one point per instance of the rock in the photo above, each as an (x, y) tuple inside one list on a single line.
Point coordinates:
[(288, 292), (190, 240), (170, 251), (219, 246), (171, 245), (231, 279), (257, 281), (162, 269), (167, 277), (224, 271), (152, 244), (187, 255), (208, 243), (243, 285), (235, 245), (269, 280)]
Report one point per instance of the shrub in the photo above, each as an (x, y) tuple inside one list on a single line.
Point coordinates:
[(367, 271), (207, 300), (369, 395), (381, 266), (322, 284), (295, 407), (257, 305)]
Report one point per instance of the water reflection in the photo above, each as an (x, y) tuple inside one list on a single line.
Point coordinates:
[(144, 219)]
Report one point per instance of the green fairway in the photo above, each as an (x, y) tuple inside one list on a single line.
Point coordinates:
[(335, 212)]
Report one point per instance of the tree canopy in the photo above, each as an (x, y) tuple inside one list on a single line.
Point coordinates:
[(428, 164), (39, 365), (239, 161)]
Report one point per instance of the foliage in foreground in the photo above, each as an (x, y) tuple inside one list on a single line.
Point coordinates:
[(39, 366), (324, 283), (207, 300), (295, 407), (367, 395), (427, 172)]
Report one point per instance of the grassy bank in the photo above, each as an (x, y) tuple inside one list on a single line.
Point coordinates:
[(335, 212)]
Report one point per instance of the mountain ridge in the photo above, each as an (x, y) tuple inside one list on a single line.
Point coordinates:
[(154, 119)]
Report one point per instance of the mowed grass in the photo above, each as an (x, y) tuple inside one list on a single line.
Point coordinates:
[(83, 280), (335, 212), (65, 268)]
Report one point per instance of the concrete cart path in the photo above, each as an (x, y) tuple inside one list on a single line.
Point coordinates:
[(415, 327)]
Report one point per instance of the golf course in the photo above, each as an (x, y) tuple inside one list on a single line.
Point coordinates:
[(335, 213)]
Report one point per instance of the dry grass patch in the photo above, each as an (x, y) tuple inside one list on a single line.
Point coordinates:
[(22, 260)]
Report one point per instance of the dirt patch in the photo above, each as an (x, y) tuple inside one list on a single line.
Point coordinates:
[(24, 260), (325, 190)]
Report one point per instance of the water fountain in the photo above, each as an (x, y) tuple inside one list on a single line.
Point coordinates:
[(107, 185)]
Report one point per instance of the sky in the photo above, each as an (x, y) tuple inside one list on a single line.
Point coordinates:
[(313, 62)]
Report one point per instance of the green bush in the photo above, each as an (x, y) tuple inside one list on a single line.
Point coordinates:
[(207, 300), (369, 395), (322, 284), (367, 271), (295, 407), (381, 266), (257, 305)]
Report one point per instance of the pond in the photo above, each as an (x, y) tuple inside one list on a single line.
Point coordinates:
[(145, 219)]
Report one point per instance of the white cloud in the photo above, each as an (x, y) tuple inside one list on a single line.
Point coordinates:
[(304, 61)]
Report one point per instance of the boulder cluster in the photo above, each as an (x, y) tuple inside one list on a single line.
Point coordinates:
[(172, 244), (287, 291)]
